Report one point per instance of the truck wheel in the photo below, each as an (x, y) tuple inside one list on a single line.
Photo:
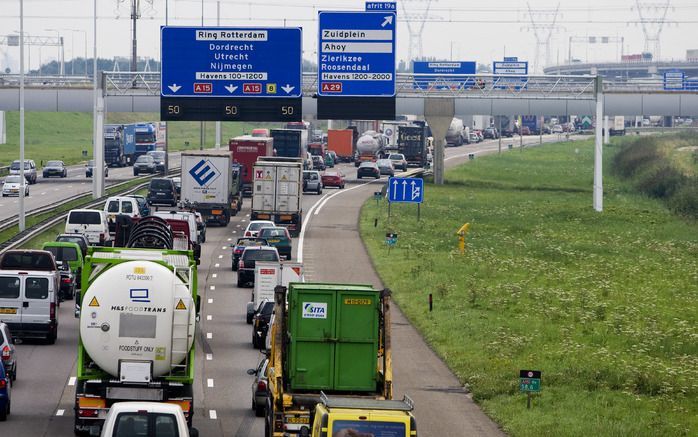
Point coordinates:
[(269, 421), (248, 318), (240, 283), (4, 413), (259, 410)]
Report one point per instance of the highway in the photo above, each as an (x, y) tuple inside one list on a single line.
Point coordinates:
[(43, 395)]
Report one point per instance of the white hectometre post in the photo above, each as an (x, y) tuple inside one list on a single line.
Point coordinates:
[(598, 149), (607, 130)]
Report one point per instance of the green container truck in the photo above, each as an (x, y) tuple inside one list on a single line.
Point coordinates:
[(332, 339)]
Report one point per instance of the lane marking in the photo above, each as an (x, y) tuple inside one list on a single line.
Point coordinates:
[(209, 382), (60, 412), (212, 414), (217, 265), (237, 226), (212, 287), (319, 208), (225, 247), (72, 380), (41, 194), (230, 239), (220, 256), (209, 335), (209, 317), (215, 275), (210, 300), (209, 357)]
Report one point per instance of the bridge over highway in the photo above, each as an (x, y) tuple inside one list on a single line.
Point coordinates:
[(480, 94)]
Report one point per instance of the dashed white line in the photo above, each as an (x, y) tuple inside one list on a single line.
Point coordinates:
[(209, 317), (209, 382), (209, 335), (217, 265), (209, 357), (210, 300), (60, 412), (212, 287), (41, 194), (220, 256), (215, 275), (212, 414), (224, 247), (72, 380), (237, 226), (230, 239)]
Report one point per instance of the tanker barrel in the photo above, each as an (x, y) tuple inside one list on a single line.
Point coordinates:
[(151, 233)]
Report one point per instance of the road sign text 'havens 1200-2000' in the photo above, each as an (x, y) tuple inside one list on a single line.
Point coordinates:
[(356, 55), (407, 190), (218, 73)]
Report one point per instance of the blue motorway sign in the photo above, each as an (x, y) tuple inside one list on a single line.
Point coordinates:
[(356, 55), (674, 80), (510, 68), (434, 69), (381, 6), (408, 190), (230, 62)]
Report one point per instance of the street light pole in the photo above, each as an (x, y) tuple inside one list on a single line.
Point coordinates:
[(22, 181), (61, 53)]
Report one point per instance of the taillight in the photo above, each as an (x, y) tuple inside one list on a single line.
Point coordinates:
[(66, 280), (3, 383), (88, 413), (52, 311), (261, 386), (238, 251), (248, 234), (241, 264), (5, 353)]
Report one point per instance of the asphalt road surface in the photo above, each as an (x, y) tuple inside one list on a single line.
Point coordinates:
[(43, 395)]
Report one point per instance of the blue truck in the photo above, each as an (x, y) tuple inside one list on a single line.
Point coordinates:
[(531, 122), (146, 138), (119, 145)]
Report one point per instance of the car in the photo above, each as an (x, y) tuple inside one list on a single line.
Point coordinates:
[(68, 252), (66, 289), (474, 138), (8, 354), (385, 166), (29, 170), (259, 388), (92, 223), (318, 162), (159, 158), (260, 323), (278, 237), (144, 164), (329, 160), (333, 154), (254, 226), (120, 205), (162, 191), (525, 130), (178, 184), (142, 204), (240, 246), (507, 133), (78, 239), (249, 258), (480, 135), (5, 394), (190, 218), (368, 168), (90, 168), (138, 418), (457, 133), (312, 181), (12, 185), (333, 179), (557, 129), (398, 160), (491, 133), (55, 168)]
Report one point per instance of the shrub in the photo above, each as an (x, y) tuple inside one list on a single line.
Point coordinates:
[(661, 182), (685, 200)]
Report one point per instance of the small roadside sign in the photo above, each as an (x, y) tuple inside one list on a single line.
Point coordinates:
[(529, 380), (391, 239)]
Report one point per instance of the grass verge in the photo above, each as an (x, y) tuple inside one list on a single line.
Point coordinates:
[(602, 303)]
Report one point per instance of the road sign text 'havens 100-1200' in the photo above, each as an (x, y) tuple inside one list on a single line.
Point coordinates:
[(216, 73)]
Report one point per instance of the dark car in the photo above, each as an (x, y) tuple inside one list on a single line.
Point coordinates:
[(259, 388), (78, 239), (7, 351), (318, 162), (144, 164), (5, 394), (159, 159), (279, 238), (67, 287), (240, 246), (260, 323), (507, 133), (162, 191), (249, 258), (90, 168), (491, 133), (55, 168), (368, 169)]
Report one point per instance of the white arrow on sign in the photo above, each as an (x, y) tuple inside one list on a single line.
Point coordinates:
[(288, 88), (388, 20), (174, 87), (231, 88), (404, 189), (394, 188)]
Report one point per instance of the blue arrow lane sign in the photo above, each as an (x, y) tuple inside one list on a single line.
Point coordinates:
[(357, 54), (406, 190), (230, 62)]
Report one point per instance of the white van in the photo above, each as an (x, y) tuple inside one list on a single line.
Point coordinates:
[(28, 302), (188, 217), (116, 205), (457, 134), (91, 223)]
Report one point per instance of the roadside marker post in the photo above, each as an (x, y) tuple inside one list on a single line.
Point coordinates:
[(462, 232)]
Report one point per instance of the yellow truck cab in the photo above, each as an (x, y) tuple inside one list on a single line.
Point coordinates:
[(352, 417)]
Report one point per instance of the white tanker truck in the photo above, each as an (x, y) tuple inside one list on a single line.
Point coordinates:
[(369, 146), (137, 323)]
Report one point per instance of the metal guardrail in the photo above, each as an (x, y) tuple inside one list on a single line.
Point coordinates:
[(407, 85)]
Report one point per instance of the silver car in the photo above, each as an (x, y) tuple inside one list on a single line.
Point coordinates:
[(29, 170), (259, 388), (312, 181), (398, 160), (386, 167)]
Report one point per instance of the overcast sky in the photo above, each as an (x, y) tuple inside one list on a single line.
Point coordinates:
[(462, 29)]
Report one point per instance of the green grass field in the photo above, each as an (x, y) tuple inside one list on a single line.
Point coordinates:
[(603, 303), (64, 135)]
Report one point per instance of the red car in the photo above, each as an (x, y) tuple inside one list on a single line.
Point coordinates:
[(332, 179)]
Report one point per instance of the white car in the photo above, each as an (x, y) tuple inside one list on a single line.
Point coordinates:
[(255, 225), (146, 419), (557, 129), (11, 186)]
